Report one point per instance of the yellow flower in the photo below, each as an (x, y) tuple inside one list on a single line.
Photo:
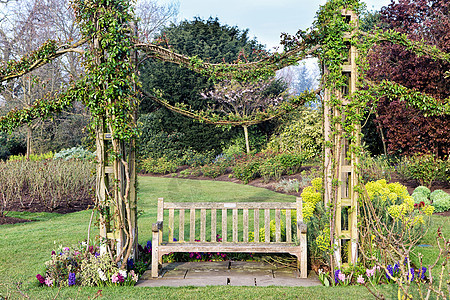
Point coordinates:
[(428, 210), (317, 183)]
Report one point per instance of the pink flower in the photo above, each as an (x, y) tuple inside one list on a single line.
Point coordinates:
[(341, 276), (48, 281), (115, 278), (40, 278), (370, 272), (360, 279)]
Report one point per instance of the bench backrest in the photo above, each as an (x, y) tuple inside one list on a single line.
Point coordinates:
[(266, 213)]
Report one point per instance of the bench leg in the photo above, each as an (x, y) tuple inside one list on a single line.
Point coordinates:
[(155, 255)]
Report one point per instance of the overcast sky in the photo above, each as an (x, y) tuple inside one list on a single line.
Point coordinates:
[(266, 19)]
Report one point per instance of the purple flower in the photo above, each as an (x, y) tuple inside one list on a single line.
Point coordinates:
[(120, 277), (97, 254), (67, 249), (390, 272), (411, 271), (396, 268), (40, 278), (53, 252), (130, 263), (422, 274), (149, 244), (72, 279), (336, 276)]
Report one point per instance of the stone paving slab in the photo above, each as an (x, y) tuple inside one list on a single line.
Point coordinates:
[(225, 273), (201, 281)]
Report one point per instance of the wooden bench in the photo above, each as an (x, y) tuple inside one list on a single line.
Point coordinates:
[(290, 242)]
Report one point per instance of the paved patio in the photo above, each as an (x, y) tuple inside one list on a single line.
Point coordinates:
[(234, 273)]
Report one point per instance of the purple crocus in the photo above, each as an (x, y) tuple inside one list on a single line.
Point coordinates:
[(72, 279)]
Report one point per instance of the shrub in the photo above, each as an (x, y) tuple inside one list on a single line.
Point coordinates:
[(159, 166), (33, 157), (271, 168), (302, 134), (288, 186), (440, 200), (247, 169), (213, 170), (196, 159), (423, 168), (375, 168), (232, 151), (420, 197), (422, 190), (74, 153), (51, 183)]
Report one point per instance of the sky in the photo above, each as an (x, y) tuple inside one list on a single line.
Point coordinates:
[(265, 19)]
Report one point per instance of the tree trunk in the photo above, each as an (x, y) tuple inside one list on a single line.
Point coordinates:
[(29, 135), (247, 144)]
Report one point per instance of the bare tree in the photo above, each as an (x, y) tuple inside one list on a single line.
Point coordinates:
[(152, 17)]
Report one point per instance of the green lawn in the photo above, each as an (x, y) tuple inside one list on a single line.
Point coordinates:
[(25, 247)]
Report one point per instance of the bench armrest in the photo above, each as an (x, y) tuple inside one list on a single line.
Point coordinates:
[(301, 227), (157, 226)]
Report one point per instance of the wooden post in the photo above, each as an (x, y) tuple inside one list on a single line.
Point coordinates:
[(339, 161)]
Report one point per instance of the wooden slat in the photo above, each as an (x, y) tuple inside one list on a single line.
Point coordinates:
[(192, 226), (171, 216), (288, 226), (229, 205), (277, 225), (231, 247), (245, 224), (181, 226), (256, 224), (203, 225), (235, 225), (224, 225), (267, 225), (213, 225)]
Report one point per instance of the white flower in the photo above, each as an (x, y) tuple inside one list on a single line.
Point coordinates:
[(102, 275), (123, 273)]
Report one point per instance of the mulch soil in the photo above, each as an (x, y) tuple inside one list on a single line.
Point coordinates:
[(82, 204)]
